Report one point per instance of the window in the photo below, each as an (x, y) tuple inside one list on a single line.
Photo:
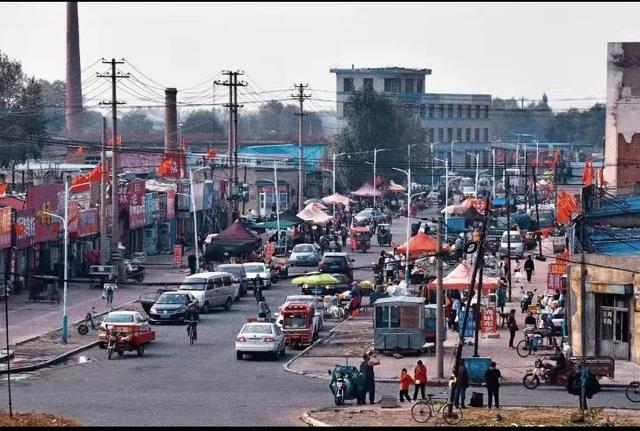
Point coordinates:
[(392, 85), (431, 109), (430, 134), (348, 85), (423, 111), (459, 134), (468, 111), (410, 317), (394, 317), (468, 135), (485, 133), (218, 282), (408, 86), (486, 111), (477, 135), (227, 280), (449, 134), (477, 111), (440, 135), (210, 285), (367, 83), (459, 111), (441, 111), (450, 111), (419, 86)]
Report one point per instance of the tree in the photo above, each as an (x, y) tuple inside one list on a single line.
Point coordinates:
[(373, 122), (136, 123), (202, 121), (53, 97)]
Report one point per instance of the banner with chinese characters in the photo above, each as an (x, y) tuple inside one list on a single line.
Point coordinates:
[(25, 228), (88, 222), (43, 200), (133, 200), (488, 321), (5, 227)]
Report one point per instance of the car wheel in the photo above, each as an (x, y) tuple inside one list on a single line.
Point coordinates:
[(227, 304), (276, 355), (205, 308), (239, 355), (140, 350), (120, 353)]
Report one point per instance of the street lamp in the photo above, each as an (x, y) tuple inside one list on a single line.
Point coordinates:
[(335, 156), (493, 174), (477, 156), (432, 159), (277, 192), (193, 208), (446, 196), (375, 155)]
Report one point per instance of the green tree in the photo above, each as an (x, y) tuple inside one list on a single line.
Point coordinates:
[(202, 121), (136, 124), (53, 97)]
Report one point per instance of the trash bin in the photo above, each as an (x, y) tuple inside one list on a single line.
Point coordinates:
[(476, 367)]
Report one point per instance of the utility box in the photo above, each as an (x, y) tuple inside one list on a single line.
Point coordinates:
[(476, 367)]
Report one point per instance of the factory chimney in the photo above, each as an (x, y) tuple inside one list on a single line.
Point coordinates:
[(73, 95)]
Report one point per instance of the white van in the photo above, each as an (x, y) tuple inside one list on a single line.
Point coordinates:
[(211, 289)]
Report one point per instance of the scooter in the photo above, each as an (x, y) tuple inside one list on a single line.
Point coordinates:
[(134, 271), (541, 373), (83, 327)]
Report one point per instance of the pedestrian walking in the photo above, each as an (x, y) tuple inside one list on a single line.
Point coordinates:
[(462, 383), (529, 268), (405, 382), (192, 263), (518, 271), (109, 287), (369, 360), (257, 288), (420, 377), (513, 327), (492, 378)]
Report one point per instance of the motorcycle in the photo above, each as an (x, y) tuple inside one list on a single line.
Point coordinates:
[(275, 273), (116, 340), (541, 373), (83, 327), (526, 300), (135, 271)]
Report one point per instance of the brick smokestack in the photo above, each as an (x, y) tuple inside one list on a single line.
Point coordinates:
[(170, 121), (73, 96)]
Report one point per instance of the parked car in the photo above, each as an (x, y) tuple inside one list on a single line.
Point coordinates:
[(371, 215), (171, 307), (121, 317), (258, 337), (239, 274), (329, 289), (255, 268), (211, 289), (305, 254), (517, 245), (337, 263)]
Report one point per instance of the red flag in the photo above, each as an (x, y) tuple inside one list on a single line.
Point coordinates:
[(3, 188), (211, 154), (19, 229)]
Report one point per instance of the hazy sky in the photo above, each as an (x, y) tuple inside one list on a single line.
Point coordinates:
[(496, 48)]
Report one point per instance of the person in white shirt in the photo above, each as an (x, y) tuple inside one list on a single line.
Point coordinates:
[(109, 287)]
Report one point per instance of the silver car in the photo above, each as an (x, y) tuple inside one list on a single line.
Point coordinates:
[(305, 254), (258, 337)]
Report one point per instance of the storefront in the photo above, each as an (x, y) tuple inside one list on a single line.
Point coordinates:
[(45, 200), (267, 196), (6, 215), (151, 212), (23, 261), (87, 235), (612, 319), (132, 199)]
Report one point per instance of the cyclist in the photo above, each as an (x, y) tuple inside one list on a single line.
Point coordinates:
[(191, 318)]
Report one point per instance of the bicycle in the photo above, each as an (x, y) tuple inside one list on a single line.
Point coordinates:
[(633, 392), (190, 331), (535, 341), (423, 410)]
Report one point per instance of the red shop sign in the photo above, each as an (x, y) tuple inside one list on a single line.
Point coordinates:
[(45, 199), (25, 228), (488, 320)]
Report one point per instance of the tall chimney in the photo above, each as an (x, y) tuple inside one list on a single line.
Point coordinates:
[(73, 96), (170, 121)]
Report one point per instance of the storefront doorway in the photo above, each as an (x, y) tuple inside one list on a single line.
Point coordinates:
[(613, 326)]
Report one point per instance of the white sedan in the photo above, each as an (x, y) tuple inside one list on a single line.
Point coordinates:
[(258, 337)]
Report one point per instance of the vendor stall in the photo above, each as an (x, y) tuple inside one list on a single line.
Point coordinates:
[(399, 324)]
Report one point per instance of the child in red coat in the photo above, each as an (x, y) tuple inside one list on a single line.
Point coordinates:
[(405, 383)]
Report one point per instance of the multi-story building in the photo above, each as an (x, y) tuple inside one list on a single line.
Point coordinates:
[(459, 119)]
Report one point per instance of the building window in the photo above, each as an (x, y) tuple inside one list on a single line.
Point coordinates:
[(367, 83), (485, 158), (450, 111), (431, 111), (419, 86), (408, 85), (430, 134), (468, 135), (468, 111), (348, 85), (477, 135), (485, 133), (477, 111), (440, 135), (441, 111), (486, 111), (449, 135), (392, 85), (459, 135), (459, 111)]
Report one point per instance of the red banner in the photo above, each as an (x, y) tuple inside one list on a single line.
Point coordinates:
[(46, 199), (488, 320), (74, 208), (5, 227), (177, 256), (554, 281), (133, 200), (171, 201), (25, 228), (88, 222)]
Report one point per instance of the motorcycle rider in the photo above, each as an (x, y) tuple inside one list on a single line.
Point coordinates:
[(561, 363), (257, 290), (264, 312), (192, 317)]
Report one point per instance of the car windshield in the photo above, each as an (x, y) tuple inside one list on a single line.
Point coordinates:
[(257, 329), (303, 298), (119, 318), (334, 259), (193, 284), (295, 321), (303, 248), (513, 239), (234, 270), (170, 299), (255, 267)]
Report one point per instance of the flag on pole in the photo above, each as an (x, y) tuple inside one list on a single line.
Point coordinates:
[(211, 154), (3, 189)]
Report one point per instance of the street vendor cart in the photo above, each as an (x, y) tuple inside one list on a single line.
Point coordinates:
[(399, 324)]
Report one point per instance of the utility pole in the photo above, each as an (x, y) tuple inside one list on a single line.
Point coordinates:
[(115, 233), (508, 203), (232, 149), (300, 97), (103, 197), (439, 311)]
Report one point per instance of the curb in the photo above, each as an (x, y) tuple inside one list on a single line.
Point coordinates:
[(306, 418), (51, 361)]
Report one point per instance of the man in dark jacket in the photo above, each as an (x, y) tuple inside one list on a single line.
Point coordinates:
[(529, 267), (192, 263), (368, 377), (462, 383), (513, 327), (257, 288), (492, 378), (191, 318)]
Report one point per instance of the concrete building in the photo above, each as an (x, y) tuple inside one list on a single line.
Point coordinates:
[(622, 133), (461, 119)]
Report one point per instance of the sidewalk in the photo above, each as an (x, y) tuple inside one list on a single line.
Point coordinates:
[(355, 336)]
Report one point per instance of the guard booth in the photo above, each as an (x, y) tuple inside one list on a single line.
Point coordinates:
[(399, 324)]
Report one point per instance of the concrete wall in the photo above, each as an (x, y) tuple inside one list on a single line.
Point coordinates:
[(605, 274)]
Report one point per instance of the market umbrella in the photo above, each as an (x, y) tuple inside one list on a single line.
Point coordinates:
[(312, 201), (316, 279)]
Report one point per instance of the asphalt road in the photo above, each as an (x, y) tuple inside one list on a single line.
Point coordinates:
[(177, 384)]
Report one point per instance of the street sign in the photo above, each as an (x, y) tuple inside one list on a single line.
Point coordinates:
[(177, 256)]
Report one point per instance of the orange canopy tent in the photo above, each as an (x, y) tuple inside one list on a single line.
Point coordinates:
[(420, 244), (460, 278)]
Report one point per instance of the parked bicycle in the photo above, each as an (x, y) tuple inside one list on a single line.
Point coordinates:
[(423, 410), (633, 392)]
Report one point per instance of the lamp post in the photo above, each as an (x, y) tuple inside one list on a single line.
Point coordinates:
[(193, 208), (277, 193), (477, 156), (375, 158), (446, 196), (406, 262), (432, 159)]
